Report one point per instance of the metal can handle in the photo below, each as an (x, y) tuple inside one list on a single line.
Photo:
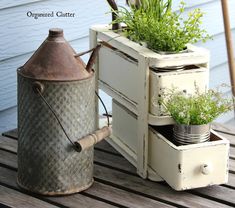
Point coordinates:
[(84, 142)]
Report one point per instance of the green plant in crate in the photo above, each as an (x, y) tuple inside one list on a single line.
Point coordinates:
[(196, 109), (162, 29)]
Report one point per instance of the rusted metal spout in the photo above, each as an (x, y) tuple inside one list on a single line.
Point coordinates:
[(92, 58)]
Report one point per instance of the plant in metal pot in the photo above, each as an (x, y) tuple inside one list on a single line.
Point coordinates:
[(193, 114), (162, 29)]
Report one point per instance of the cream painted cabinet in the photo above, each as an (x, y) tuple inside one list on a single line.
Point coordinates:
[(135, 77)]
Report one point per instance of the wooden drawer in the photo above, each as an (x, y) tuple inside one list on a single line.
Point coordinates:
[(181, 167), (119, 72), (184, 80), (188, 166), (126, 129)]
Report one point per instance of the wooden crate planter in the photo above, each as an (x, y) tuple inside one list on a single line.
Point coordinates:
[(125, 71)]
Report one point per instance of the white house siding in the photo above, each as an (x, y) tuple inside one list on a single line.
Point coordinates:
[(219, 70), (21, 35)]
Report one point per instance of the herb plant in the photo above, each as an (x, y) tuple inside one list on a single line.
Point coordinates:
[(196, 109), (154, 22)]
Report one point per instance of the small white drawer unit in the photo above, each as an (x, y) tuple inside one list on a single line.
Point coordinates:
[(135, 77)]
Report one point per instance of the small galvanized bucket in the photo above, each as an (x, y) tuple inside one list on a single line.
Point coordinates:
[(191, 134)]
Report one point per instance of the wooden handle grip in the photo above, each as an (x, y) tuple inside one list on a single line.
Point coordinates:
[(92, 139)]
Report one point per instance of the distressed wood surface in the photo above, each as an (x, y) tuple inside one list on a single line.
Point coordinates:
[(227, 132), (13, 198), (104, 148), (232, 153), (115, 185), (68, 201)]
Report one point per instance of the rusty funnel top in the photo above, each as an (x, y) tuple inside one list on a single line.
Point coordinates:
[(54, 60)]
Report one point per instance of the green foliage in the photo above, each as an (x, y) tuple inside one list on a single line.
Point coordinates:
[(197, 109), (162, 29)]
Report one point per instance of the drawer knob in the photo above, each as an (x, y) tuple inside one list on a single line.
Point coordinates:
[(206, 169)]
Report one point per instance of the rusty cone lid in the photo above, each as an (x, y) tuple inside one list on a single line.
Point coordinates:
[(54, 60)]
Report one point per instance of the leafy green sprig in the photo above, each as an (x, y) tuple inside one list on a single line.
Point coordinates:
[(154, 22), (196, 109)]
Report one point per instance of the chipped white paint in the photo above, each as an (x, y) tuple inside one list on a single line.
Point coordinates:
[(189, 166), (120, 73), (117, 69), (184, 80), (127, 80), (125, 72)]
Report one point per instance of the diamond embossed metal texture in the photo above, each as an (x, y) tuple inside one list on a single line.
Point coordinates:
[(47, 162)]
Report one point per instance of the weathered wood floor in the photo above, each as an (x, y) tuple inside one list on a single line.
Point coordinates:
[(116, 184)]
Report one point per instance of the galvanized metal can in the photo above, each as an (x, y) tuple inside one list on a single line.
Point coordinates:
[(47, 162), (191, 134)]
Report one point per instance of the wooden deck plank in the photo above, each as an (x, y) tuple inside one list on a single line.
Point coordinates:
[(232, 166), (225, 131), (223, 128), (100, 157), (105, 192), (8, 177), (131, 184), (107, 172), (143, 187), (114, 161), (10, 145), (220, 128), (101, 145), (225, 195), (79, 200), (152, 189), (232, 153), (9, 160), (231, 181), (105, 146), (12, 198), (12, 133), (124, 197)]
